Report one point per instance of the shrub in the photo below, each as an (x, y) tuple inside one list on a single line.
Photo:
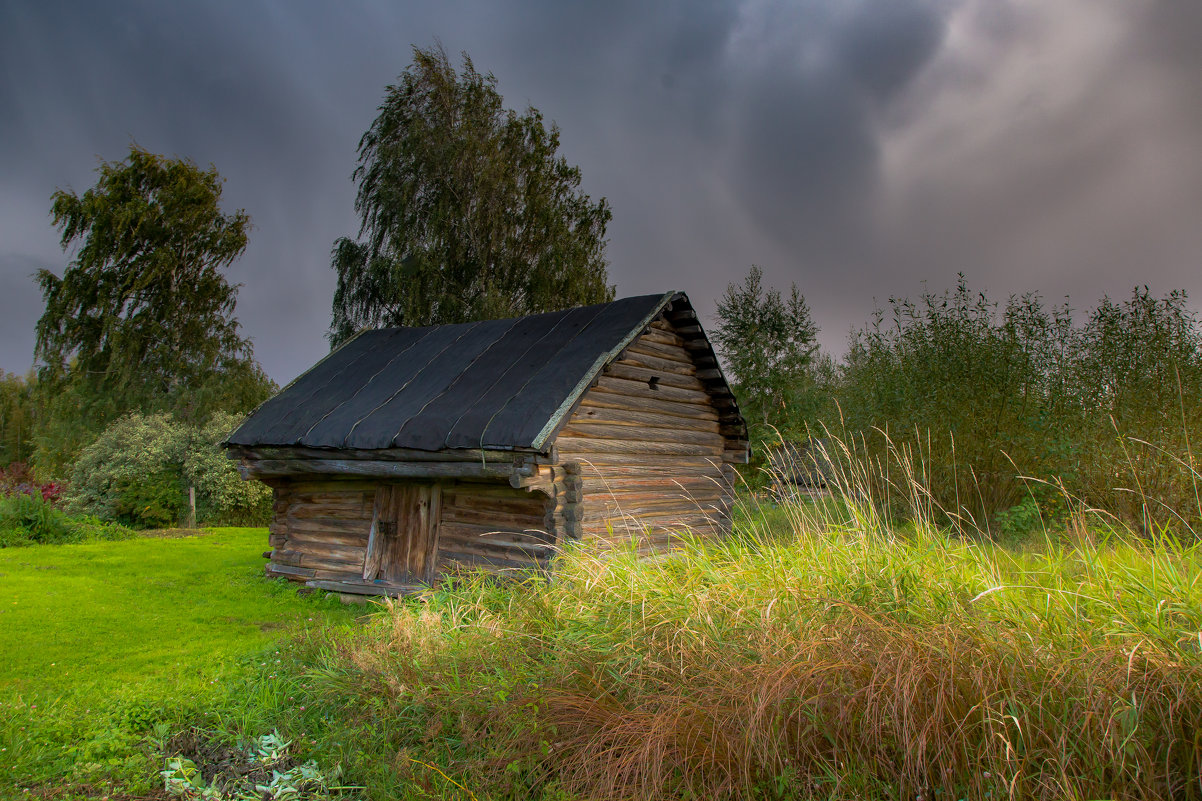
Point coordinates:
[(221, 494), (105, 477), (28, 519), (978, 395), (154, 501), (139, 469), (18, 478)]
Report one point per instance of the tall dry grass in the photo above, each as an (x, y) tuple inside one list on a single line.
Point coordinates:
[(825, 651)]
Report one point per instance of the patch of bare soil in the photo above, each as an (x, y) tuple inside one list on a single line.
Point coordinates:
[(226, 763)]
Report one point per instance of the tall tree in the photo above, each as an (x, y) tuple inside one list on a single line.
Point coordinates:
[(17, 415), (768, 342), (143, 317), (466, 210)]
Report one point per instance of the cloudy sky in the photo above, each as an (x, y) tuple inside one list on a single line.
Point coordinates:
[(856, 147)]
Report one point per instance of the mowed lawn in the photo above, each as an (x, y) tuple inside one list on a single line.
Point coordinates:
[(98, 641), (143, 610)]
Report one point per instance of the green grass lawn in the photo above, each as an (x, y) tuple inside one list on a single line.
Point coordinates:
[(100, 641)]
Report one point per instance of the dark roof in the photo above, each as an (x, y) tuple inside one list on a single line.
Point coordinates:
[(496, 384)]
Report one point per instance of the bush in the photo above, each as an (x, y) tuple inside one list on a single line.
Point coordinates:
[(156, 501), (129, 451), (138, 471), (978, 395), (18, 478), (221, 494), (28, 519)]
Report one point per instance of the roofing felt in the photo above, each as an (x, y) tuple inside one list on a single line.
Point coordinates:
[(501, 384)]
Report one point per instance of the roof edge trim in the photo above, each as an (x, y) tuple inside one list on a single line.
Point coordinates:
[(553, 423)]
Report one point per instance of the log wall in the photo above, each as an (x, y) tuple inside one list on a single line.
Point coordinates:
[(320, 528), (493, 526), (652, 446)]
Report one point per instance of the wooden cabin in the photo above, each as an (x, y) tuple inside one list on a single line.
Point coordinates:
[(410, 452)]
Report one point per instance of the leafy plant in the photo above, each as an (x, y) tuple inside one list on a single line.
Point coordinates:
[(139, 469), (983, 395), (222, 496), (266, 772), (153, 501), (18, 478), (28, 519)]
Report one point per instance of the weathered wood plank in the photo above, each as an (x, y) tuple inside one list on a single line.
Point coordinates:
[(661, 357), (637, 418), (307, 484), (448, 561), (302, 559), (649, 508), (596, 430), (364, 588), (336, 511), (575, 447), (605, 398), (384, 469), (632, 371), (279, 569), (662, 337), (351, 554), (344, 495), (515, 555), (626, 526), (467, 533), (331, 525), (663, 481), (639, 389), (484, 517), (634, 502), (512, 502), (358, 540)]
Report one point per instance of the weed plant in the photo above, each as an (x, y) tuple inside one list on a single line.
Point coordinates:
[(29, 519), (828, 650), (1105, 408)]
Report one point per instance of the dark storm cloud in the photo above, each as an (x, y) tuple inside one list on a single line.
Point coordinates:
[(857, 148)]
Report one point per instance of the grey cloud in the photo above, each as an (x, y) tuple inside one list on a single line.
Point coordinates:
[(857, 148)]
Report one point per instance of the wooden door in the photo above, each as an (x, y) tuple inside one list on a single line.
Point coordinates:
[(404, 533)]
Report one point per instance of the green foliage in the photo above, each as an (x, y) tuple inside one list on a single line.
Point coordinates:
[(995, 403), (129, 451), (139, 469), (769, 346), (28, 519), (968, 385), (142, 318), (262, 770), (1136, 375), (155, 500), (221, 494), (18, 414), (466, 210)]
